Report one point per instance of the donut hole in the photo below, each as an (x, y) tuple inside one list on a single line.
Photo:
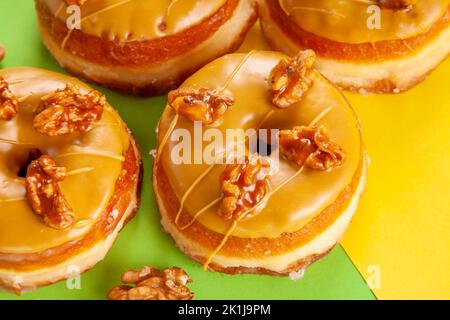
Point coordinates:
[(263, 148), (33, 154)]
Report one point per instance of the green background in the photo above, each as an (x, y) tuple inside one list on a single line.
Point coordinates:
[(143, 241)]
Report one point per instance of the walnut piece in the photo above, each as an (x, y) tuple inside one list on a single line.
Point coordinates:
[(396, 4), (243, 186), (201, 104), (152, 284), (9, 104), (291, 78), (67, 110), (44, 194), (312, 147)]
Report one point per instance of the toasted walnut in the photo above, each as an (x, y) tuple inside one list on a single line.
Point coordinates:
[(243, 187), (396, 4), (9, 104), (67, 110), (310, 146), (201, 104), (291, 78), (153, 284), (44, 194)]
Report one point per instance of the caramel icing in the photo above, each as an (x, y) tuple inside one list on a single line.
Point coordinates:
[(346, 20), (93, 160), (128, 20), (309, 192)]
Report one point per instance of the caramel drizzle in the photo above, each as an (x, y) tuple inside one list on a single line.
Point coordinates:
[(12, 200), (83, 223), (78, 171), (235, 223), (15, 82), (163, 24), (7, 141), (61, 6), (176, 117), (283, 7), (113, 6), (92, 153)]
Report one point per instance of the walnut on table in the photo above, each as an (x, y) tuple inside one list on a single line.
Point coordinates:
[(243, 186), (152, 284), (202, 104), (44, 194), (310, 146), (291, 78), (9, 104), (67, 110)]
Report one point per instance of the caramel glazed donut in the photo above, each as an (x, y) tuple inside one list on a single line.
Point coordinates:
[(376, 46), (246, 216), (70, 173), (144, 47)]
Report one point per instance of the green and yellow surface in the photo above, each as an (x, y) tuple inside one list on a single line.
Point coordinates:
[(398, 241)]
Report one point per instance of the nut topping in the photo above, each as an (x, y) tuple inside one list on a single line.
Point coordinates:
[(291, 78), (44, 194), (243, 186), (201, 104), (153, 284), (396, 4), (9, 104), (311, 146), (67, 110)]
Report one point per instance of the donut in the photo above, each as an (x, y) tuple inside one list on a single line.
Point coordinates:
[(375, 46), (70, 175), (279, 204), (143, 47)]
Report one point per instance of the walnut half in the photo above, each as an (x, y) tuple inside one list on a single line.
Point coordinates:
[(291, 78), (312, 147), (201, 104), (152, 284), (44, 194), (9, 104), (243, 186), (67, 110)]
